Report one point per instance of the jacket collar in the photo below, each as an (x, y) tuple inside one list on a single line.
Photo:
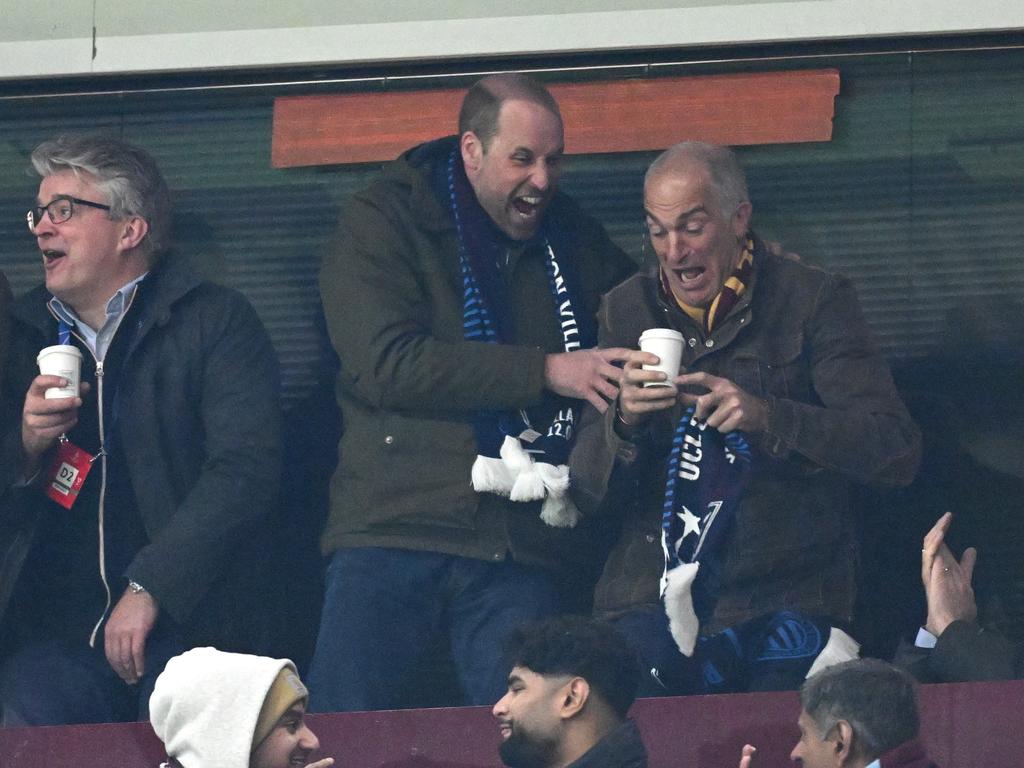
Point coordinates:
[(909, 754), (681, 321), (622, 748), (418, 168), (167, 282)]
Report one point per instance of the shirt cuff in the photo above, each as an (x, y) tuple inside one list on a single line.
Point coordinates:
[(925, 639)]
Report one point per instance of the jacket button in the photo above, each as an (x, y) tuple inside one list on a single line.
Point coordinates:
[(692, 342), (650, 539), (709, 343), (388, 440)]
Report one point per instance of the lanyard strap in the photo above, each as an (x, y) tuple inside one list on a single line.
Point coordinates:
[(63, 332)]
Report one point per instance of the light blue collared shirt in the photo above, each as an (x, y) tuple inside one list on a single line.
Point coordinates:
[(99, 340)]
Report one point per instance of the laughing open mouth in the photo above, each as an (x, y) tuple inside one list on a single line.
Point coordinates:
[(527, 205), (689, 274)]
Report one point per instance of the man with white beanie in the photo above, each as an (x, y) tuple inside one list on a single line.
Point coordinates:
[(214, 709)]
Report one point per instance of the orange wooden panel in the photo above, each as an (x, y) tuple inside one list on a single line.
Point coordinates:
[(610, 116)]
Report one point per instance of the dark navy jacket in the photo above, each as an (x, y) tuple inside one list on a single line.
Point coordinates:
[(198, 429)]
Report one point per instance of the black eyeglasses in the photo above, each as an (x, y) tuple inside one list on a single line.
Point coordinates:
[(60, 209)]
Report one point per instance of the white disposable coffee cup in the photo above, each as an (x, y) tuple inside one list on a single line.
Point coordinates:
[(668, 346), (62, 360)]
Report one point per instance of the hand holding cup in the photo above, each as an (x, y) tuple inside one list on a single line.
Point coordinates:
[(667, 345), (51, 403), (65, 361), (648, 383)]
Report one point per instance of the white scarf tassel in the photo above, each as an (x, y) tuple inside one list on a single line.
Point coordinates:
[(491, 475), (517, 476), (682, 619), (527, 485), (839, 648), (558, 510)]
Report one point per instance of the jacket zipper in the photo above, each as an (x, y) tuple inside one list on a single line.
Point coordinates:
[(103, 464), (103, 494), (102, 456)]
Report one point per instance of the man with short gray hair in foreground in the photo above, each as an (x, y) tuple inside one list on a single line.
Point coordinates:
[(859, 714)]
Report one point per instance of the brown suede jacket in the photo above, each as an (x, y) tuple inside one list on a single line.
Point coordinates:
[(796, 338)]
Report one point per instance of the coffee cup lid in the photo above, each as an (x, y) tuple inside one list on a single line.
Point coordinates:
[(66, 349), (661, 333)]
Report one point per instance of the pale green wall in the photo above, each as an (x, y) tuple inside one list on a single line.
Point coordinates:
[(69, 18), (39, 39)]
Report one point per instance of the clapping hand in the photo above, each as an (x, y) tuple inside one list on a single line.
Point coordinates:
[(947, 581)]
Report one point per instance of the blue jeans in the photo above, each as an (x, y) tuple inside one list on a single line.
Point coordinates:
[(56, 681), (386, 610)]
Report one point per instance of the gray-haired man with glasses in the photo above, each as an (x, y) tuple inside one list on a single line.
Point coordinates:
[(122, 505)]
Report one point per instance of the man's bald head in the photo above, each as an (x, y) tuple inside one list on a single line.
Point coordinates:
[(726, 179), (483, 102)]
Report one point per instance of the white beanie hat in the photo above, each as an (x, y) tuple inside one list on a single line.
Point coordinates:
[(206, 703)]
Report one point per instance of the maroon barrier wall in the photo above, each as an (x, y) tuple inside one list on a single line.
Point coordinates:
[(964, 726)]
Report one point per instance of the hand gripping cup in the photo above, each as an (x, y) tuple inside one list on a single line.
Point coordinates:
[(668, 346), (62, 360)]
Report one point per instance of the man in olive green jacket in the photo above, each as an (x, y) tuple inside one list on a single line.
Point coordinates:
[(460, 296)]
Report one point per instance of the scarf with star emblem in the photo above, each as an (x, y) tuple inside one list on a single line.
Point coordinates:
[(707, 474)]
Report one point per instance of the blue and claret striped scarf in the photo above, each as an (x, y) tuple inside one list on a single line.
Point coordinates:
[(518, 459)]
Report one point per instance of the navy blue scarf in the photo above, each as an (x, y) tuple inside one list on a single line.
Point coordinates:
[(519, 458), (707, 474)]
